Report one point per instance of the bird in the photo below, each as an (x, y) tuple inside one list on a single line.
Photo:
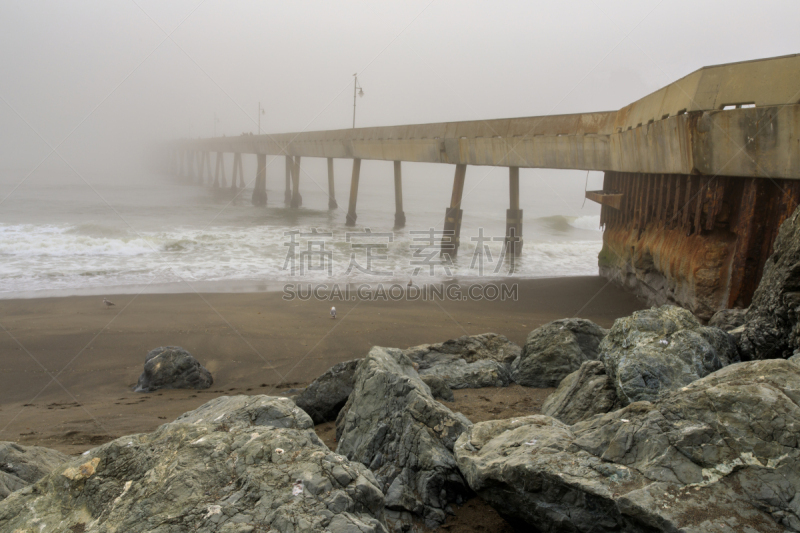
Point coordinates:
[(333, 312), (108, 303), (410, 283)]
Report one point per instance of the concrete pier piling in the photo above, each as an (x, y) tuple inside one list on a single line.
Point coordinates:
[(297, 198), (287, 195), (219, 174), (237, 171), (399, 215), (350, 220), (452, 217), (182, 164), (200, 169), (259, 197), (331, 190), (513, 215)]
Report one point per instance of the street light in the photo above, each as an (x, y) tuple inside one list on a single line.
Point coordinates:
[(260, 112), (356, 90)]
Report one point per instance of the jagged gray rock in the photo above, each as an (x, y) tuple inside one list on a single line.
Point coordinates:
[(662, 349), (772, 322), (258, 410), (392, 423), (326, 395), (468, 362), (202, 475), (728, 319), (22, 465), (172, 367), (584, 393), (439, 388), (719, 455), (555, 350)]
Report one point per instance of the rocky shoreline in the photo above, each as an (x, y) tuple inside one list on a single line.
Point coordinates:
[(659, 424)]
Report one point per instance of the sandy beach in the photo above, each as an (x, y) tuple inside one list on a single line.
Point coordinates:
[(254, 343)]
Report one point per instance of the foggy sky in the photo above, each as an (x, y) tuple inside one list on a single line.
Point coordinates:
[(107, 77)]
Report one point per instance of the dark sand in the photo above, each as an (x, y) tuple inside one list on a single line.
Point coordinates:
[(69, 364)]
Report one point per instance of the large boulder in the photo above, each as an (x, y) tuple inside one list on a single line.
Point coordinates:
[(584, 393), (22, 465), (772, 326), (172, 367), (326, 395), (728, 319), (662, 349), (392, 424), (468, 362), (719, 455), (203, 475), (258, 410), (555, 350)]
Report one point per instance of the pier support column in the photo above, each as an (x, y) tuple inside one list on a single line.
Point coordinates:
[(513, 215), (237, 169), (220, 171), (452, 217), (287, 195), (259, 197), (351, 209), (191, 174), (181, 164), (207, 165), (200, 174), (331, 191), (297, 199), (399, 215)]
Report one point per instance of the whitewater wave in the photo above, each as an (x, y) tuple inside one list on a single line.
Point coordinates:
[(52, 257)]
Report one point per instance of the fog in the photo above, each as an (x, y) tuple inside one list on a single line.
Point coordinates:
[(100, 81)]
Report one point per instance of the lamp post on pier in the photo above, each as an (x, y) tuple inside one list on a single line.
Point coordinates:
[(260, 112), (356, 90)]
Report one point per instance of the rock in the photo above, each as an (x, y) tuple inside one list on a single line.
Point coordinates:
[(556, 350), (392, 423), (22, 465), (469, 362), (172, 367), (258, 410), (584, 393), (459, 374), (662, 349), (771, 327), (719, 455), (728, 319), (439, 388), (326, 395), (204, 476), (795, 358)]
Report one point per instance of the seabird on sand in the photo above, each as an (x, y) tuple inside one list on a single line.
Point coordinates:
[(333, 312), (108, 303)]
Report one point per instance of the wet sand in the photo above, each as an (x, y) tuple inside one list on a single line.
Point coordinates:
[(253, 343)]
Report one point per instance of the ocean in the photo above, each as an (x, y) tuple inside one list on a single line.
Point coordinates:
[(101, 232)]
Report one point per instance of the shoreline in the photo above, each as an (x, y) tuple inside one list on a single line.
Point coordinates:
[(253, 343), (250, 286)]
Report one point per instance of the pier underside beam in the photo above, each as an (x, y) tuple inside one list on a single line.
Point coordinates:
[(331, 189), (297, 199), (259, 197), (452, 217), (350, 220), (399, 215), (513, 215)]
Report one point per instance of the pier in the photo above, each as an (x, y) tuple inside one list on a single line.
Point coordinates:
[(699, 175)]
